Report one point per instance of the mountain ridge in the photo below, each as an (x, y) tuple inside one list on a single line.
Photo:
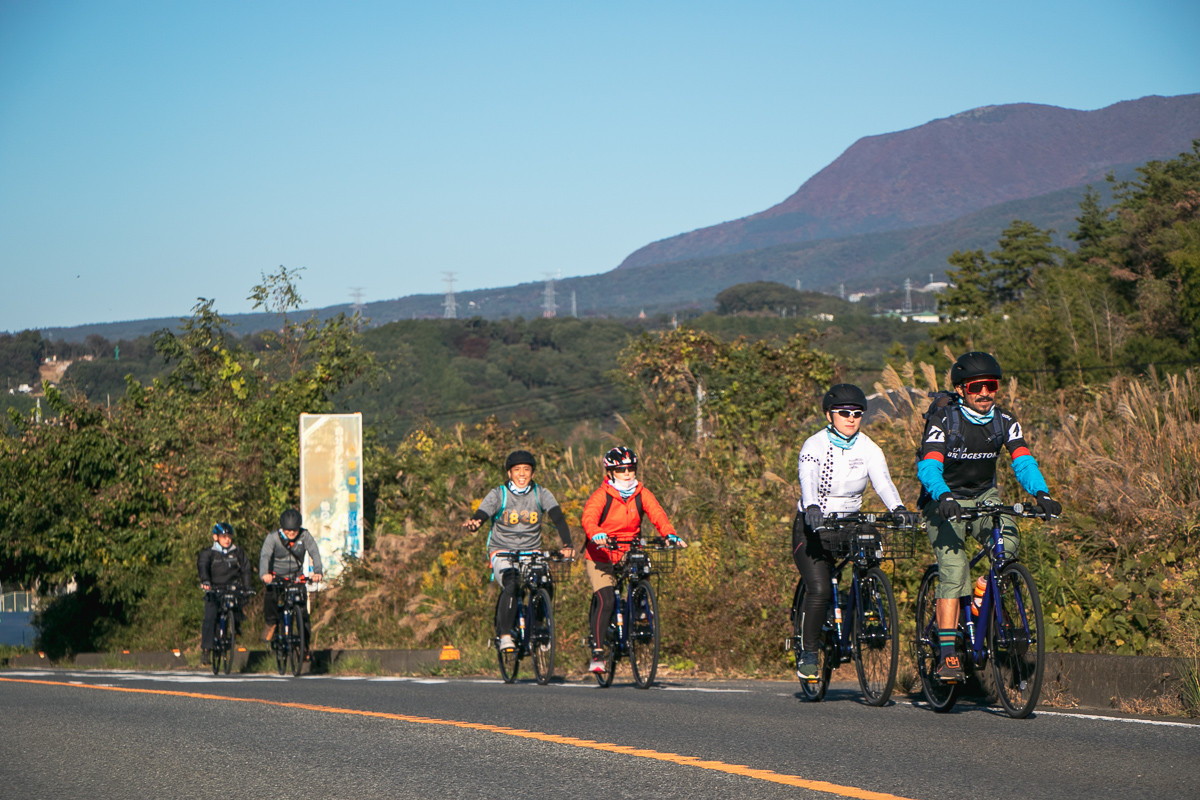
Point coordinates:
[(948, 168)]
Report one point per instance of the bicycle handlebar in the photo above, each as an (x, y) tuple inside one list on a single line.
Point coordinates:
[(882, 519), (994, 509)]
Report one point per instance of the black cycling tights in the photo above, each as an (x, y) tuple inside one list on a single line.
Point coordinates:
[(603, 603), (813, 564), (506, 610)]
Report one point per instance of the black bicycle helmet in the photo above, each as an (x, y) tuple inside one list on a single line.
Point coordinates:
[(974, 365), (620, 457), (842, 395), (519, 457), (290, 520), (223, 529)]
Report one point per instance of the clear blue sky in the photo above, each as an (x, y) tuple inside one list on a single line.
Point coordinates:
[(154, 152)]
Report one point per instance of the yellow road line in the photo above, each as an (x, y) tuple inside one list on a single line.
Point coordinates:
[(675, 758)]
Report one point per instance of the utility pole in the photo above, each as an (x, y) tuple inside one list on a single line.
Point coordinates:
[(449, 309), (549, 307), (908, 295)]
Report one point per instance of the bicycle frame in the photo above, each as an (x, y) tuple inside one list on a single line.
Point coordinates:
[(633, 630), (533, 630), (975, 642)]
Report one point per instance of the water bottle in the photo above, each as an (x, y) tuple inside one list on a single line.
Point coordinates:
[(977, 598), (620, 620)]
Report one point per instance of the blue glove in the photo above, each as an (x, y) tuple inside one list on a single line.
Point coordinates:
[(600, 539), (813, 517), (674, 541)]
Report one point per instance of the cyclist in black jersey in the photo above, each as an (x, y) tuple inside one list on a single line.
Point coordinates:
[(956, 465)]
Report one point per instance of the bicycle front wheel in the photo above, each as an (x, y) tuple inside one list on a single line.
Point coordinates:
[(1016, 642), (296, 645), (876, 648), (220, 647), (283, 636), (643, 634), (941, 696), (541, 642), (812, 690)]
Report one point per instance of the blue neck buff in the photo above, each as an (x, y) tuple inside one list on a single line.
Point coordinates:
[(837, 440), (515, 490), (978, 419)]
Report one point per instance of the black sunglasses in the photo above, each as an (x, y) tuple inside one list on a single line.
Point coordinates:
[(848, 413), (988, 384)]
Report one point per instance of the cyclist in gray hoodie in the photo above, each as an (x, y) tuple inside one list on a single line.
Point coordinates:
[(282, 559)]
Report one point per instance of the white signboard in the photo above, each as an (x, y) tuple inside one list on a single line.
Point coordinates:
[(331, 485)]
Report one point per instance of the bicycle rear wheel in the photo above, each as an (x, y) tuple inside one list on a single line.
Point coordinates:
[(941, 696), (643, 634), (876, 648), (1016, 642), (541, 641), (812, 690)]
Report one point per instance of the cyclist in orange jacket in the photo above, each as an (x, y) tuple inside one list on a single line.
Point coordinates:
[(612, 518)]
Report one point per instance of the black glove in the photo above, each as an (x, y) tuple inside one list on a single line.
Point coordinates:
[(1048, 505), (948, 507), (813, 517), (906, 518)]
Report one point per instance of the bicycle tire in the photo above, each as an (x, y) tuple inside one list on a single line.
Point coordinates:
[(218, 653), (876, 648), (940, 696), (643, 634), (231, 642), (541, 640), (280, 641), (296, 645), (813, 691), (1016, 641), (510, 660)]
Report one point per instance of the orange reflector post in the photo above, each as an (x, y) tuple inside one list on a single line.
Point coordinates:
[(449, 653)]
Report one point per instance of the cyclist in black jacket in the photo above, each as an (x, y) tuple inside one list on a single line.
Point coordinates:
[(223, 564)]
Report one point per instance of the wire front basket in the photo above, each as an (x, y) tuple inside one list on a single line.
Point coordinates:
[(880, 542), (560, 570), (662, 561)]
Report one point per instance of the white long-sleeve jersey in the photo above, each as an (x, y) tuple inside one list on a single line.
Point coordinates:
[(835, 479)]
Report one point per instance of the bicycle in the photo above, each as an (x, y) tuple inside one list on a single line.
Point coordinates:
[(533, 626), (229, 600), (633, 630), (289, 642), (1008, 634), (860, 625)]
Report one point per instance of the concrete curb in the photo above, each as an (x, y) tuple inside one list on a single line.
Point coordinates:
[(1084, 680)]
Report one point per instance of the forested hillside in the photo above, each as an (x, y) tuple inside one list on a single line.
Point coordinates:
[(1098, 344)]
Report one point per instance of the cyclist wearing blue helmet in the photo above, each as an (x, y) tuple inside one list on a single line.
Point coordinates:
[(834, 467), (222, 564)]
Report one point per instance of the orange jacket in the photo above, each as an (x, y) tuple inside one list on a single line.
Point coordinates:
[(622, 524)]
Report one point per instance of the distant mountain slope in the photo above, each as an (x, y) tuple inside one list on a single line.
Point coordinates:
[(949, 168)]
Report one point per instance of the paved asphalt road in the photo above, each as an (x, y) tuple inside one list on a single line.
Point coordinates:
[(115, 734)]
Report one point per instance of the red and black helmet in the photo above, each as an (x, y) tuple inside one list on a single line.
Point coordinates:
[(620, 457)]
